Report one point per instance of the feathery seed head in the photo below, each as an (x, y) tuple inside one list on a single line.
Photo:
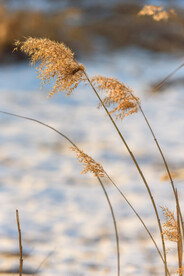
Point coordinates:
[(88, 163), (171, 229), (118, 94), (56, 61), (157, 12), (180, 271)]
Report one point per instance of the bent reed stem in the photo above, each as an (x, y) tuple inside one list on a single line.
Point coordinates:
[(114, 220), (138, 168), (165, 164), (160, 84), (135, 212), (110, 179), (101, 183)]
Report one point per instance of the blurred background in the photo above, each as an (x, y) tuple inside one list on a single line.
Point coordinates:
[(66, 224)]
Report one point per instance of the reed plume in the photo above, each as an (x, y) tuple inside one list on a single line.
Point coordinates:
[(157, 12), (118, 94), (88, 163), (57, 62), (170, 227), (172, 232)]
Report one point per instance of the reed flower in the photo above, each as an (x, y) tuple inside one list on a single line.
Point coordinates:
[(56, 61), (157, 12), (88, 163), (119, 96), (180, 271), (171, 229)]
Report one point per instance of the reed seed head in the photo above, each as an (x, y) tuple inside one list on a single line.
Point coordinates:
[(171, 229), (157, 12), (88, 163), (56, 62), (119, 96), (180, 271)]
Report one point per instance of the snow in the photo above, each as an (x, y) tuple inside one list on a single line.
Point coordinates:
[(65, 220)]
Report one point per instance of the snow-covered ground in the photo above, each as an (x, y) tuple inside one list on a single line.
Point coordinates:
[(65, 220)]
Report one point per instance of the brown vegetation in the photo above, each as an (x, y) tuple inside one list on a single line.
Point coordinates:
[(80, 28)]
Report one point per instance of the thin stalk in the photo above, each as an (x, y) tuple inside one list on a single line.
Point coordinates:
[(138, 168), (106, 195), (164, 160), (135, 212), (20, 244), (114, 221), (160, 84), (179, 241)]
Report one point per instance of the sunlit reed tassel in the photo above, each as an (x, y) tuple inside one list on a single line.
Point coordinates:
[(56, 62), (119, 96)]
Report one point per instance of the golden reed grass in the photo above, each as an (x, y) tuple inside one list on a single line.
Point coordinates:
[(57, 61), (38, 49)]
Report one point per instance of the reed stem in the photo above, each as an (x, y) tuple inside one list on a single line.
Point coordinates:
[(179, 241), (138, 168), (20, 244), (164, 161), (160, 84), (135, 212), (106, 195), (115, 224)]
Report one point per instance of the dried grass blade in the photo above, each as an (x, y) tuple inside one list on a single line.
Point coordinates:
[(20, 244), (179, 241)]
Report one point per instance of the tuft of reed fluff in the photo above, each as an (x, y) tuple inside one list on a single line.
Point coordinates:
[(171, 230), (56, 61), (89, 164), (119, 96), (157, 12)]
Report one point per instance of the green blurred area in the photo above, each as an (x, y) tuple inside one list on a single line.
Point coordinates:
[(87, 30)]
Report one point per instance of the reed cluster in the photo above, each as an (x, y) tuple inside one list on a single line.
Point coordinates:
[(56, 61)]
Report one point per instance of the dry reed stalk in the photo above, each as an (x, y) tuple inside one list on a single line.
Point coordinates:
[(158, 14), (138, 216), (20, 244), (91, 170), (179, 242), (163, 158), (90, 166), (38, 51), (138, 168), (115, 97), (160, 84)]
